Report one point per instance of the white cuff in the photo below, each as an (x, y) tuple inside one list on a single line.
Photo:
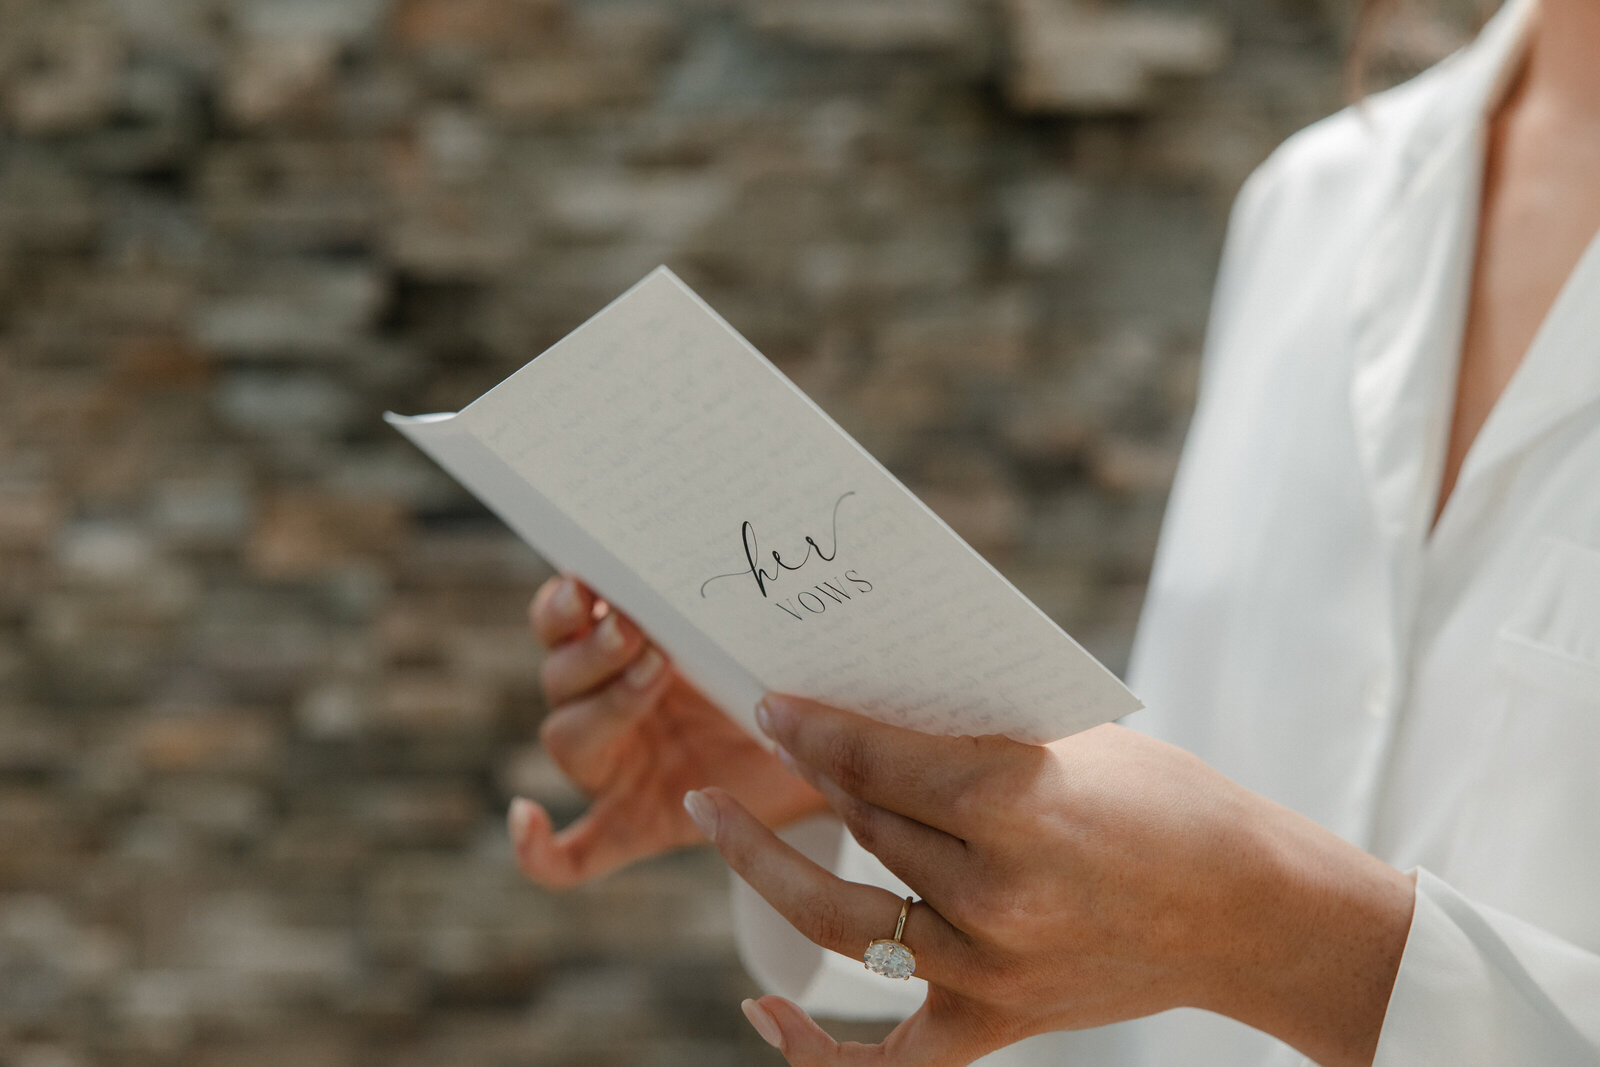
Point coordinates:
[(1478, 987)]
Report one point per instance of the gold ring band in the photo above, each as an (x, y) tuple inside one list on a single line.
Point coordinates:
[(887, 956)]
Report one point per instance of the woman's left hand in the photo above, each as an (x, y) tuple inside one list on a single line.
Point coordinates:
[(1104, 877)]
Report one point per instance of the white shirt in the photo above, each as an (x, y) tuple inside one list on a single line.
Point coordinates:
[(1432, 695)]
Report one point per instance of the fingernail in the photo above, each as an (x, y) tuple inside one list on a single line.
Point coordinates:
[(702, 811), (764, 1023), (643, 670), (610, 635), (764, 717), (518, 817), (566, 601)]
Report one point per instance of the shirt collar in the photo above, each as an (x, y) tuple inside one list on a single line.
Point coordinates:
[(1412, 280)]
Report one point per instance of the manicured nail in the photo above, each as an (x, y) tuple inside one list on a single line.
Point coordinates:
[(764, 717), (642, 671), (566, 602), (702, 811), (610, 635), (518, 817), (764, 1023)]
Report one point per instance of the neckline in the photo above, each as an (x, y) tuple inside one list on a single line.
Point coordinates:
[(1512, 403), (1512, 67)]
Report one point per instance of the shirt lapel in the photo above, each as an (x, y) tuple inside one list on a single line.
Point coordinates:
[(1408, 305), (1411, 287), (1410, 295)]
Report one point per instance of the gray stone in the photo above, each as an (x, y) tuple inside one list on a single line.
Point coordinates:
[(202, 510), (286, 405), (344, 22), (1075, 58), (1041, 215), (661, 209), (333, 710), (44, 204), (211, 810), (46, 1055), (871, 25), (241, 937), (528, 771), (309, 311)]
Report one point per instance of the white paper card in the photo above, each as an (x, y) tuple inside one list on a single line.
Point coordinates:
[(658, 455)]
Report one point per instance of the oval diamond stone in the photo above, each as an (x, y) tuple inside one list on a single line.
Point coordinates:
[(890, 959)]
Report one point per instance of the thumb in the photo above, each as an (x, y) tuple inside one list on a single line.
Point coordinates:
[(600, 841)]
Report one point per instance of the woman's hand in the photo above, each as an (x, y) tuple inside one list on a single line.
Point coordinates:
[(630, 732), (1101, 878)]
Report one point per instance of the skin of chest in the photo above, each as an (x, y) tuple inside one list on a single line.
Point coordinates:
[(1540, 210)]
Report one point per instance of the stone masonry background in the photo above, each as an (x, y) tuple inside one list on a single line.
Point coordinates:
[(265, 682)]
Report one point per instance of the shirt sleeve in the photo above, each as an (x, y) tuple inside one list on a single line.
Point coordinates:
[(1479, 987)]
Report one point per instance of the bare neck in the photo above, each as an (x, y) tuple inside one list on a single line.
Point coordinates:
[(1562, 73)]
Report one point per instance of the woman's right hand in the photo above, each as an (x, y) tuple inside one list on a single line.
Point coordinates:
[(634, 736)]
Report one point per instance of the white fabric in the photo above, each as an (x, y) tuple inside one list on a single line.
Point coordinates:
[(1432, 695)]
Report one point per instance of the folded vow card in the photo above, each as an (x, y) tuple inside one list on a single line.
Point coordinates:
[(657, 455)]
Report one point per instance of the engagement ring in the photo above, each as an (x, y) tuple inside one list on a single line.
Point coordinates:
[(887, 956)]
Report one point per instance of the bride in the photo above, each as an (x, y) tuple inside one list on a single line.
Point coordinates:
[(1360, 822)]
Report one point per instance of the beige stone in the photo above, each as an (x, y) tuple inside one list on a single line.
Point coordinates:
[(429, 703), (222, 742), (66, 70), (486, 26), (277, 78), (302, 534)]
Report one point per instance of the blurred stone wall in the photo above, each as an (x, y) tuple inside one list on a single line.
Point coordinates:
[(265, 686)]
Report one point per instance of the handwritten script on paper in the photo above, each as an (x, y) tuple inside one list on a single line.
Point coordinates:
[(658, 455), (747, 534)]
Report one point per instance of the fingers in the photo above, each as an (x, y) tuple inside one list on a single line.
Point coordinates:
[(922, 856), (935, 1036), (599, 842), (561, 610), (838, 915), (926, 777), (583, 663), (532, 833), (580, 733)]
